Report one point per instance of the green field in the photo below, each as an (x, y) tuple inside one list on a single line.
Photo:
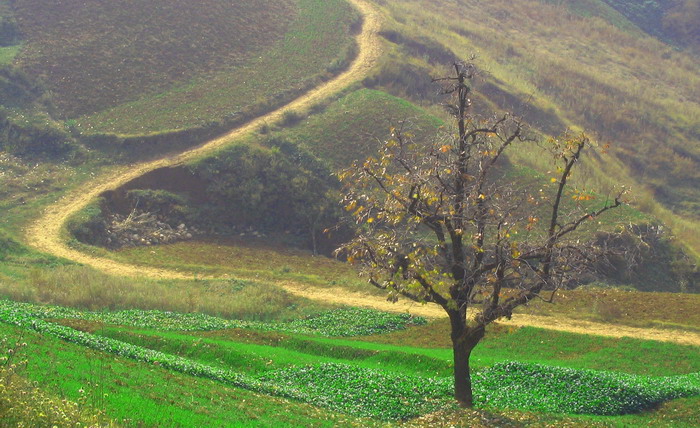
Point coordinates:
[(359, 378)]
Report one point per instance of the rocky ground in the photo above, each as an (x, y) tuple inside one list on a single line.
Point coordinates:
[(144, 228)]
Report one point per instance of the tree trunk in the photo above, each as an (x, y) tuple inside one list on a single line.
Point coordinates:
[(464, 340)]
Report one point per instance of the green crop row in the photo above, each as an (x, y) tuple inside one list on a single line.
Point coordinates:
[(367, 407), (342, 322), (579, 391), (366, 392)]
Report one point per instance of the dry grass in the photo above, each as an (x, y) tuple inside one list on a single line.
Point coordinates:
[(246, 257), (84, 288), (633, 308), (583, 63)]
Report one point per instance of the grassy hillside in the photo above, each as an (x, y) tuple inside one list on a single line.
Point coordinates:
[(576, 64), (176, 65), (96, 55), (349, 128)]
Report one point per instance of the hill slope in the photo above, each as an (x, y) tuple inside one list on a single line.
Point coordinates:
[(577, 64), (95, 54)]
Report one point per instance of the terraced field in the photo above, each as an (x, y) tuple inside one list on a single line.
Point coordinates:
[(360, 381)]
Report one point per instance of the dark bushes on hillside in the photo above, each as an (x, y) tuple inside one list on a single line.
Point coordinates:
[(281, 189), (8, 246), (36, 138), (9, 31)]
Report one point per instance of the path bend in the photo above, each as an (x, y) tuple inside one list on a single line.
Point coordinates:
[(46, 233)]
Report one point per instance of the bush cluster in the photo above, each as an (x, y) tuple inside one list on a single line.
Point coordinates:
[(354, 322)]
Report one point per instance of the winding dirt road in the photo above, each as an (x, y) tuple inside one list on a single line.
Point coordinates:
[(47, 233)]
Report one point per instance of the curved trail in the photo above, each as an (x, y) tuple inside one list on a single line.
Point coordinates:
[(46, 233)]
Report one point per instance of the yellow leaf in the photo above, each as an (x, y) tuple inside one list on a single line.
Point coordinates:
[(553, 180)]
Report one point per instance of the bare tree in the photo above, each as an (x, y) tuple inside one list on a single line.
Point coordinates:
[(450, 222)]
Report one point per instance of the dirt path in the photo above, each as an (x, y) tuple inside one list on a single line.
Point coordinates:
[(345, 297), (47, 233)]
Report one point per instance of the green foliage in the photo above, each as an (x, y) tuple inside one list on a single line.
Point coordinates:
[(9, 246), (339, 322), (282, 189), (349, 128), (9, 31), (19, 89), (172, 206), (563, 390), (354, 322), (25, 127), (365, 392)]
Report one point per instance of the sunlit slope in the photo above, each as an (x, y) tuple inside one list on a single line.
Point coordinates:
[(585, 65)]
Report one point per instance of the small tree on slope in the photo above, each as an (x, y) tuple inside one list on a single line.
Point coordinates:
[(448, 223)]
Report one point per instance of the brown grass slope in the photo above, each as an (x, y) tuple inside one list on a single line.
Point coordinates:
[(584, 64), (95, 54)]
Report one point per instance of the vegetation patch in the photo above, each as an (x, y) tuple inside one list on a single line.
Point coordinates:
[(9, 246), (568, 51), (315, 45), (354, 322), (96, 56), (379, 394), (349, 128), (564, 390), (135, 393), (339, 322), (366, 392), (24, 404)]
